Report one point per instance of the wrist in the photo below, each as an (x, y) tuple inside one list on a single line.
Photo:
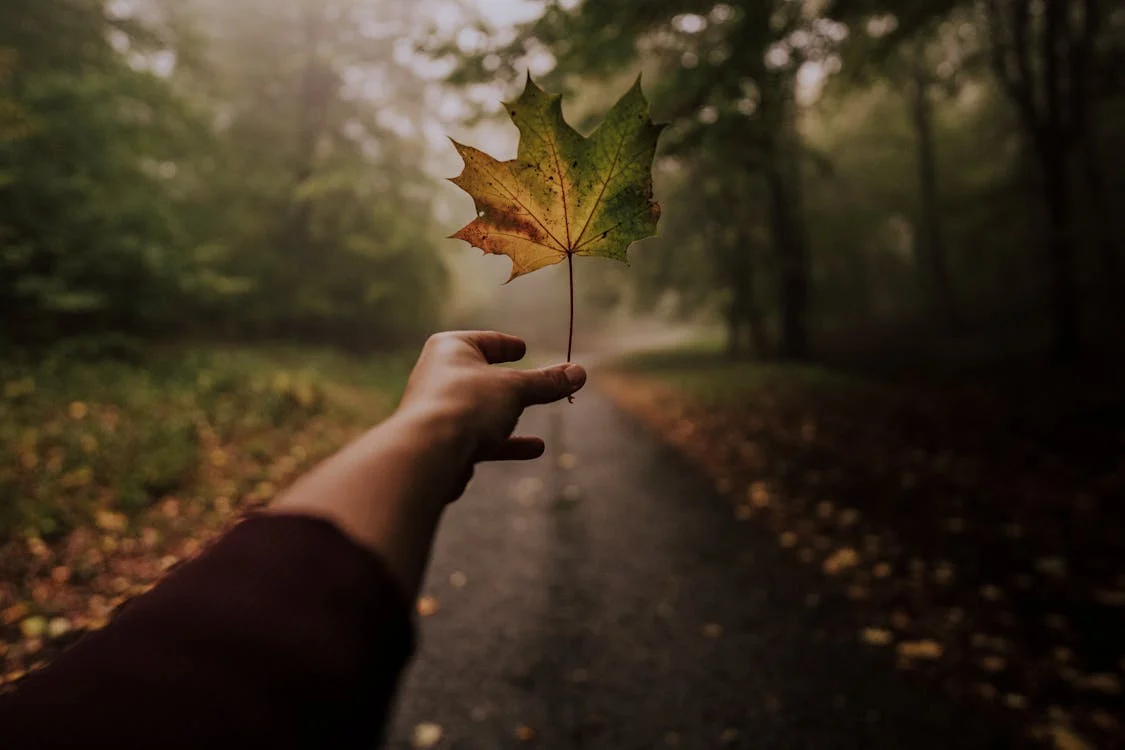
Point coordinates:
[(437, 429)]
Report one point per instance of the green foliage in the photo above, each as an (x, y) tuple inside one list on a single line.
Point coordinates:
[(205, 169), (78, 437), (704, 373), (84, 226)]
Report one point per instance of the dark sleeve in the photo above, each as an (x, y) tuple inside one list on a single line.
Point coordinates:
[(283, 634)]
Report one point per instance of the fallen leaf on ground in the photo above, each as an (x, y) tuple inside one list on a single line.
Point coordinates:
[(943, 574), (926, 650), (13, 614), (877, 636), (991, 593), (1015, 701), (712, 630), (841, 560), (1064, 738), (525, 733), (58, 627), (1109, 598), (428, 605), (993, 663), (33, 627), (759, 495), (1054, 567), (426, 735), (526, 490), (1105, 682), (109, 521)]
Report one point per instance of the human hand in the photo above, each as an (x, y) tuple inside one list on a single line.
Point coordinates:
[(458, 391), (388, 489)]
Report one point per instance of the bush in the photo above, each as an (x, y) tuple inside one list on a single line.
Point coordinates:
[(78, 435)]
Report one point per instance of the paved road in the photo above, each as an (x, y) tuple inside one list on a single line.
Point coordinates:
[(616, 604)]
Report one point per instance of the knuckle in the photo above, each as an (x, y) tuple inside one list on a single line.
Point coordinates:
[(441, 342)]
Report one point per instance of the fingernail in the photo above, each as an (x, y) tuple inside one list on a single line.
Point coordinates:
[(575, 375)]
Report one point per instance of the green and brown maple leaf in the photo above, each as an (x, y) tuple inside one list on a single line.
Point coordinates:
[(564, 194)]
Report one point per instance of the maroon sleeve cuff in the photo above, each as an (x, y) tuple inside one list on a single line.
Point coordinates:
[(285, 633)]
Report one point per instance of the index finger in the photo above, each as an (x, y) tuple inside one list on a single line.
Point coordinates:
[(497, 348)]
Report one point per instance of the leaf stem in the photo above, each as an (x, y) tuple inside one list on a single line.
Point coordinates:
[(570, 341)]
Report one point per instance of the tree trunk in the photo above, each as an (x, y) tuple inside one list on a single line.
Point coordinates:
[(1065, 323), (759, 340), (1093, 175), (735, 320), (1056, 137), (783, 176), (746, 330), (933, 265), (793, 287)]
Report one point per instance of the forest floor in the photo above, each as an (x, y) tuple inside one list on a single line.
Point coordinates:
[(741, 556), (977, 525), (112, 472)]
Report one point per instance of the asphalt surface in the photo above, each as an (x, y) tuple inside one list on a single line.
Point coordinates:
[(604, 597)]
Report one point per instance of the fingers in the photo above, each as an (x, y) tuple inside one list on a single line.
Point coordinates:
[(516, 449), (549, 385), (497, 348)]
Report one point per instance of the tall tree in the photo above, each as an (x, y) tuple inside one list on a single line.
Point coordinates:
[(87, 129), (1042, 55), (318, 201)]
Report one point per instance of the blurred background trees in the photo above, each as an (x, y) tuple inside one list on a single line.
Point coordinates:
[(931, 178), (926, 176), (227, 170)]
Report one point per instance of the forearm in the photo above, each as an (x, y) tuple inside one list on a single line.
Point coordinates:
[(388, 489)]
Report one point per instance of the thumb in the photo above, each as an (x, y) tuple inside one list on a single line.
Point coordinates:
[(549, 385)]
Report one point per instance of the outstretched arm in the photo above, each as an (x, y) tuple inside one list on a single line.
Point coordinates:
[(292, 630)]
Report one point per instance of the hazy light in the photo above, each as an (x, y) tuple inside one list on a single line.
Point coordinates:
[(510, 12), (778, 56), (471, 40), (880, 26), (722, 13), (689, 23)]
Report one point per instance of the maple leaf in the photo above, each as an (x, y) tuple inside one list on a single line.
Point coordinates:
[(564, 194)]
